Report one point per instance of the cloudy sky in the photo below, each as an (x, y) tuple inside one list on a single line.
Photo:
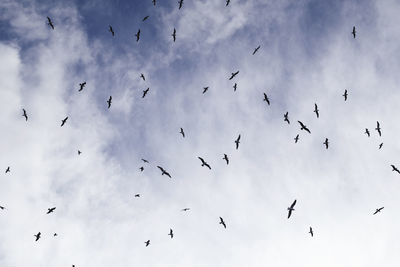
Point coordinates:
[(307, 55)]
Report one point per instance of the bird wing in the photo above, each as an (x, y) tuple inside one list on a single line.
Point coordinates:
[(294, 203)]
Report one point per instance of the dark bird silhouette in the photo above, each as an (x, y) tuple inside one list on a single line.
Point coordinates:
[(37, 236), (255, 50), (182, 132), (354, 32), (147, 243), (205, 89), (174, 35), (316, 110), (110, 29), (266, 99), (145, 18), (8, 170), (227, 2), (378, 128), (64, 121), (50, 23), (185, 209), (378, 210), (296, 139), (141, 168), (286, 117), (326, 143), (24, 115), (50, 210), (291, 208), (235, 87), (171, 233), (145, 160), (142, 76), (1, 207), (380, 145), (204, 163), (345, 95), (137, 35), (367, 132), (81, 85), (145, 92), (233, 75), (180, 2), (395, 169), (154, 2), (164, 172), (109, 101), (311, 232), (79, 152), (137, 195), (303, 127), (55, 234), (237, 142), (226, 159), (221, 221)]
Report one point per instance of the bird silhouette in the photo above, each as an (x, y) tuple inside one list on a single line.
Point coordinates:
[(227, 2), (311, 232), (233, 75), (145, 18), (145, 160), (147, 243), (64, 121), (164, 172), (55, 234), (378, 128), (174, 35), (185, 209), (145, 92), (296, 139), (182, 132), (180, 4), (50, 23), (205, 89), (171, 233), (354, 32), (291, 208), (380, 145), (142, 76), (24, 115), (286, 117), (235, 87), (79, 152), (8, 170), (110, 29), (154, 2), (316, 110), (204, 163), (37, 236), (237, 142), (109, 101), (81, 85), (367, 132), (2, 207), (137, 35), (50, 210), (378, 210), (326, 143), (303, 127), (221, 221), (345, 95), (137, 195), (266, 99), (394, 168), (141, 168), (255, 50), (226, 159)]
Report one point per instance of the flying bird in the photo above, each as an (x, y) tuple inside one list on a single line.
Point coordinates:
[(145, 92), (185, 209), (221, 221), (227, 2), (303, 127), (180, 4), (50, 210), (395, 169), (182, 132), (37, 236), (142, 76), (367, 132), (109, 101), (205, 89), (204, 163), (64, 121), (154, 2), (141, 168), (354, 32), (378, 128), (233, 74), (110, 29), (145, 18), (311, 232), (24, 115), (296, 139), (145, 160), (8, 169), (291, 209), (147, 243), (1, 207), (174, 34), (50, 23), (266, 99), (164, 172), (286, 117), (55, 234), (326, 143), (137, 195), (378, 210), (79, 152), (81, 85), (226, 159), (137, 35), (255, 50), (380, 145), (316, 110), (345, 95), (237, 142), (171, 233), (235, 87)]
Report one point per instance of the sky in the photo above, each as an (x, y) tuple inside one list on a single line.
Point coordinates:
[(307, 56)]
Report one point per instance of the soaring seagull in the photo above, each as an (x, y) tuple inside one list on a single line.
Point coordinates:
[(380, 145), (137, 35), (227, 2), (145, 92), (204, 163), (171, 233), (266, 99), (147, 243), (345, 95), (326, 143), (311, 232), (235, 87), (367, 132), (185, 209), (182, 132), (226, 159), (286, 117), (145, 160), (50, 210), (354, 32), (154, 2), (233, 75), (50, 23), (296, 139), (174, 35), (110, 29), (109, 101), (205, 89), (237, 142), (221, 221), (164, 172), (24, 115), (255, 50), (81, 85), (291, 208), (316, 110), (145, 18), (64, 121), (378, 128), (395, 169), (8, 169), (378, 210), (303, 127), (37, 236), (180, 2), (142, 76)]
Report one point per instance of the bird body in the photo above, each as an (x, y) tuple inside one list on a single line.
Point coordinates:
[(226, 159), (378, 128), (145, 18), (326, 143), (367, 132), (174, 35), (171, 233), (255, 50), (64, 121), (81, 85), (266, 99), (24, 115), (204, 163), (291, 208), (147, 243), (221, 221), (50, 210), (109, 101), (316, 110), (180, 2), (182, 133), (311, 232), (145, 92), (142, 76), (137, 35), (286, 117), (378, 210), (110, 29), (50, 23), (394, 168), (235, 87), (8, 169), (303, 127), (354, 32), (296, 139), (233, 75), (164, 172), (237, 142), (345, 95), (205, 89), (37, 236)]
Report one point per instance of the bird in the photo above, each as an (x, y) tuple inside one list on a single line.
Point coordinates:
[(345, 95), (204, 163), (145, 18), (50, 23), (137, 195), (266, 99), (311, 232), (37, 236), (326, 143), (316, 110), (235, 87), (380, 145), (171, 233), (286, 117), (164, 172), (367, 132), (147, 243), (291, 209), (378, 210), (145, 160), (79, 152), (55, 234), (109, 101), (182, 132), (303, 127), (233, 75), (395, 169), (205, 89), (221, 221), (24, 115), (237, 142), (141, 168), (110, 29), (50, 210), (378, 128), (185, 209), (227, 2), (255, 50), (354, 32), (8, 169), (174, 35), (1, 207), (81, 85), (226, 159), (145, 92), (64, 121), (137, 35), (142, 76), (154, 2), (180, 4), (296, 139)]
